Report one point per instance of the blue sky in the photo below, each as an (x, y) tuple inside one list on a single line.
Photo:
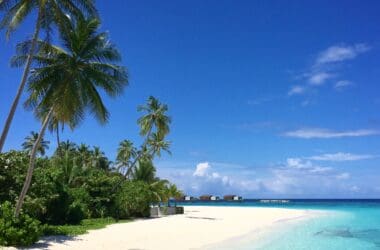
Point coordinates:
[(268, 98)]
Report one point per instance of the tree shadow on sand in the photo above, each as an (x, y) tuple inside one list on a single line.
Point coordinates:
[(48, 241)]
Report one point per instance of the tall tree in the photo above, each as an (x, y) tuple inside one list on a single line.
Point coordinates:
[(49, 12), (154, 124), (84, 155), (99, 159), (31, 139), (156, 144), (145, 171), (155, 117), (125, 153), (66, 81)]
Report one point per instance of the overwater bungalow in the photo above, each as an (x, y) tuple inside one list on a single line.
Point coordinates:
[(186, 198), (208, 198), (232, 197)]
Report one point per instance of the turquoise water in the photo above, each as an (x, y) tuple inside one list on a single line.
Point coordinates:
[(345, 224)]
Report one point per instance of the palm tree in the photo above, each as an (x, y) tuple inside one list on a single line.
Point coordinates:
[(125, 153), (98, 159), (155, 122), (54, 127), (174, 192), (155, 117), (66, 146), (49, 12), (30, 141), (145, 171), (70, 170), (159, 189), (84, 155), (156, 144), (66, 81)]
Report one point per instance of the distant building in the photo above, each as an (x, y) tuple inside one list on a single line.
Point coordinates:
[(189, 198), (207, 197), (232, 197), (186, 198), (214, 198)]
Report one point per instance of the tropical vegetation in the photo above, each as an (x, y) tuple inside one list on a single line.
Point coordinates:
[(77, 187)]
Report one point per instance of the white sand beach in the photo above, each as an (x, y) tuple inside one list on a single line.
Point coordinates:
[(199, 228)]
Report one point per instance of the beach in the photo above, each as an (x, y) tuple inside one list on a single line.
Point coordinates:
[(200, 227)]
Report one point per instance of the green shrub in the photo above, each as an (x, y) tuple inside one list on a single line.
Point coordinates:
[(83, 227), (76, 212), (133, 200), (21, 231)]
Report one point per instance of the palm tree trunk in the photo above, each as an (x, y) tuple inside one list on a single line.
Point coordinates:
[(29, 174), (58, 141), (129, 169), (140, 154), (22, 83)]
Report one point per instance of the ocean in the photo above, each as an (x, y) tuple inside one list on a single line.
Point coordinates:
[(344, 224)]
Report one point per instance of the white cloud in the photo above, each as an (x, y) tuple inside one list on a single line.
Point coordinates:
[(339, 85), (341, 53), (295, 177), (298, 163), (340, 157), (296, 90), (298, 177), (201, 169), (325, 67), (343, 176), (319, 78), (309, 133), (355, 188)]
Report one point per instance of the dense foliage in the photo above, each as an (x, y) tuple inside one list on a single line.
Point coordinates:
[(64, 191), (20, 231), (71, 186), (76, 185)]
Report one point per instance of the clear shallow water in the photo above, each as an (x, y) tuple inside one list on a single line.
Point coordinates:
[(348, 224)]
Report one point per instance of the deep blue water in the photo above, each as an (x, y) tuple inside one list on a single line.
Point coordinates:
[(347, 224)]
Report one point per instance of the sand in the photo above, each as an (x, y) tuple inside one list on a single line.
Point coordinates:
[(200, 227)]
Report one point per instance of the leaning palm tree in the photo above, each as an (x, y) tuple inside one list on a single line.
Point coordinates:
[(156, 144), (66, 80), (156, 122), (125, 152), (31, 139), (49, 13)]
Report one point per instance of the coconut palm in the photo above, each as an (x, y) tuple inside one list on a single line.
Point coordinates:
[(99, 159), (84, 155), (30, 141), (70, 170), (155, 117), (156, 144), (66, 146), (159, 189), (173, 192), (66, 81), (125, 152), (154, 123), (145, 171), (49, 12)]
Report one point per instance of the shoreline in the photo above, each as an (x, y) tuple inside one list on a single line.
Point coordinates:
[(201, 227)]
